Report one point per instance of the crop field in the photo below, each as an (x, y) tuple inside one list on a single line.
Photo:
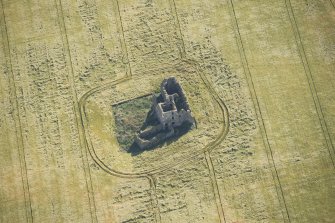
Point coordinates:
[(76, 79)]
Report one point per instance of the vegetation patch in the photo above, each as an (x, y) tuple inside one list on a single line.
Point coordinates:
[(129, 118)]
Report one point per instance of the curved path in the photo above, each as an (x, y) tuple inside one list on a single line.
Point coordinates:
[(109, 170)]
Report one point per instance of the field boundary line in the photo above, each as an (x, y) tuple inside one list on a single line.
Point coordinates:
[(183, 54), (174, 12), (154, 198), (122, 38), (310, 80), (17, 118), (258, 111), (68, 58), (215, 186)]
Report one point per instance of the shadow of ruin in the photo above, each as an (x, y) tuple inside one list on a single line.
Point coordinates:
[(168, 119)]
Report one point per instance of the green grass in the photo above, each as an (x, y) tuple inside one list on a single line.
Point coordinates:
[(129, 118)]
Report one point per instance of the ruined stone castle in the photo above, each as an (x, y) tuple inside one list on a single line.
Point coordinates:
[(171, 110)]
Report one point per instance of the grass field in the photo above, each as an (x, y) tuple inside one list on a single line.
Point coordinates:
[(259, 76)]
